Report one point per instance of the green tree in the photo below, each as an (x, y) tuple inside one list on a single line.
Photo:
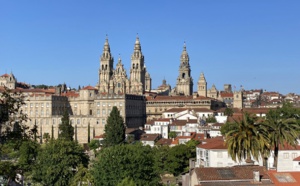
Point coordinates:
[(282, 129), (118, 162), (172, 134), (57, 162), (177, 159), (89, 133), (211, 119), (192, 144), (12, 118), (46, 137), (34, 131), (126, 182), (94, 144), (228, 112), (27, 155), (65, 128), (82, 176), (160, 157), (247, 137), (13, 129), (114, 129)]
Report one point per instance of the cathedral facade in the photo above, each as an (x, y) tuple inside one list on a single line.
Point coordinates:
[(115, 80)]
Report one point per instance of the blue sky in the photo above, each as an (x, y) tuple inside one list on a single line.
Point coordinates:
[(254, 43)]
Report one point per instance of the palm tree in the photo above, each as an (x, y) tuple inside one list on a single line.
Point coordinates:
[(248, 138), (282, 131)]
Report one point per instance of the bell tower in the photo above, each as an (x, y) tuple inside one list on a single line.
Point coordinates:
[(184, 85), (137, 70), (202, 86), (106, 68)]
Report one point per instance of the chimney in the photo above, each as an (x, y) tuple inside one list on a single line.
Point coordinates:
[(256, 177)]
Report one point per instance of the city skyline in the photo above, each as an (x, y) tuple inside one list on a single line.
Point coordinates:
[(251, 43)]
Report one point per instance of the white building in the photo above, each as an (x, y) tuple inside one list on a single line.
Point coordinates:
[(159, 126), (213, 153)]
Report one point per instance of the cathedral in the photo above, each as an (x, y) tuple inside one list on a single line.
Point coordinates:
[(134, 97), (116, 81)]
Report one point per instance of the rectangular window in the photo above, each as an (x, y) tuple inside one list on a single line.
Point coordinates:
[(31, 104), (42, 104), (103, 104), (98, 104), (98, 112), (36, 105), (103, 112), (294, 155), (47, 104), (286, 155), (103, 121), (109, 104)]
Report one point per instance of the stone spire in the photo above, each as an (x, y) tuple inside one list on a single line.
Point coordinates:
[(106, 68), (184, 85), (137, 70), (184, 58), (202, 86)]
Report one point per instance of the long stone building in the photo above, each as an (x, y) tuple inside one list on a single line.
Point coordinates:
[(133, 96)]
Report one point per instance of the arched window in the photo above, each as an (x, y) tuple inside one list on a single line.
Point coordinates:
[(183, 75), (133, 66)]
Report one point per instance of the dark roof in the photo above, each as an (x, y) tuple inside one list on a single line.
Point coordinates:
[(230, 173)]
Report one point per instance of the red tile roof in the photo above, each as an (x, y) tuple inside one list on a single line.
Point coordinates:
[(287, 178), (234, 173), (297, 159), (226, 94), (215, 143), (164, 141), (149, 137), (5, 75), (89, 88)]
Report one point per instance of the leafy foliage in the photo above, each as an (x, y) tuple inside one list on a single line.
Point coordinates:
[(28, 153), (177, 159), (65, 128), (57, 161), (126, 182), (211, 119), (46, 137), (82, 176), (12, 117), (283, 128), (118, 162), (114, 129), (247, 138), (228, 112), (172, 134)]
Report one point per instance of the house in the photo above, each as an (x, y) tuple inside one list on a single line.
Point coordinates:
[(288, 159), (213, 153), (149, 139), (158, 126), (215, 130)]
